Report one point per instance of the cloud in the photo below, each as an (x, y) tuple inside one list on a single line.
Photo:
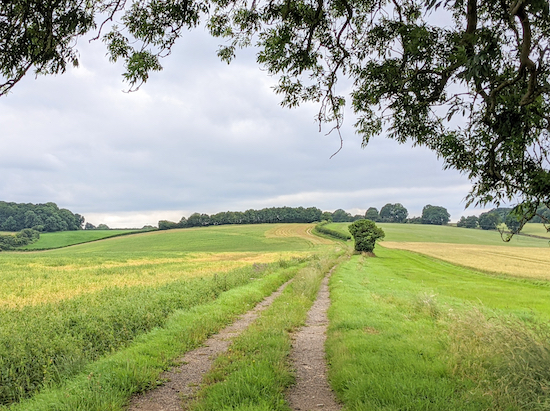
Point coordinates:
[(199, 136)]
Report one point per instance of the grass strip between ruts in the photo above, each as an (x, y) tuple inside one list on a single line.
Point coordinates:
[(108, 383), (254, 373)]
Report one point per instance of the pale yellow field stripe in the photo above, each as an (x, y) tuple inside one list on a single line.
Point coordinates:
[(516, 261), (304, 231)]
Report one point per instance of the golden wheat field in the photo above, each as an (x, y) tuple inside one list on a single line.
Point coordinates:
[(516, 261)]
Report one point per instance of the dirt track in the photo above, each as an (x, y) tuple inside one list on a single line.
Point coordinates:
[(184, 381), (312, 391)]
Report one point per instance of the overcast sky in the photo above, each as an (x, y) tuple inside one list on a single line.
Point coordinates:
[(199, 136)]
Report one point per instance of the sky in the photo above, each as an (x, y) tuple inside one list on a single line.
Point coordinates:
[(199, 136)]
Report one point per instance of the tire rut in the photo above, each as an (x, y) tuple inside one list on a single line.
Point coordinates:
[(312, 391), (184, 381)]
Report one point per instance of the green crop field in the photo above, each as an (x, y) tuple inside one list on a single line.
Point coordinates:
[(452, 235), (536, 229), (62, 308), (66, 238)]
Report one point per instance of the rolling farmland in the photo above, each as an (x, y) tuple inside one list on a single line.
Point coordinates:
[(407, 330)]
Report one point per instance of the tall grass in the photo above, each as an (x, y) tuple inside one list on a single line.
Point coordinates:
[(43, 345), (404, 336), (508, 358)]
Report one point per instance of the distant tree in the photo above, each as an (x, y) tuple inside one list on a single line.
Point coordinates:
[(341, 216), (365, 233), (542, 215), (32, 220), (9, 225), (435, 215), (468, 222), (103, 227), (393, 213), (372, 214), (414, 220), (167, 225), (89, 226), (489, 221), (512, 222), (326, 216)]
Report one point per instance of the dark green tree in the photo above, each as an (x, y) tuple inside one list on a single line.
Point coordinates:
[(468, 222), (435, 215), (9, 224), (341, 216), (393, 213), (489, 221), (372, 214), (365, 233), (512, 223)]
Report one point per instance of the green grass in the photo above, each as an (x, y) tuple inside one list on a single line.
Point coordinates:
[(447, 234), (67, 238), (392, 337), (108, 384), (254, 373), (535, 229), (227, 238)]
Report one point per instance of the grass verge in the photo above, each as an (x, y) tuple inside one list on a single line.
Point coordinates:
[(255, 372), (402, 337), (58, 342)]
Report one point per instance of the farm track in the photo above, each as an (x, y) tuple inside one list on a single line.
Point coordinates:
[(183, 381), (312, 391)]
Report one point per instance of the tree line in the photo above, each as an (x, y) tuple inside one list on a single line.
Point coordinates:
[(39, 217), (390, 213), (493, 218)]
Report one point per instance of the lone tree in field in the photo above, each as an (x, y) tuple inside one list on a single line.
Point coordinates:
[(468, 79), (365, 233)]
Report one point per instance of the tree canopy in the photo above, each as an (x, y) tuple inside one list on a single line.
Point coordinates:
[(366, 234), (41, 217), (435, 215), (468, 79)]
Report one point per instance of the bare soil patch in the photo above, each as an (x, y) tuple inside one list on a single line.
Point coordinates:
[(183, 381), (312, 391)]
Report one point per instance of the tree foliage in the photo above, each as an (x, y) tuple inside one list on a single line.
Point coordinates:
[(468, 79), (435, 215), (489, 221), (365, 233), (393, 213), (19, 239), (265, 215), (372, 214), (41, 217), (468, 222)]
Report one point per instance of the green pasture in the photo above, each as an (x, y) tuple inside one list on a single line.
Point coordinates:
[(535, 229), (226, 238), (411, 333), (66, 238), (450, 234)]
